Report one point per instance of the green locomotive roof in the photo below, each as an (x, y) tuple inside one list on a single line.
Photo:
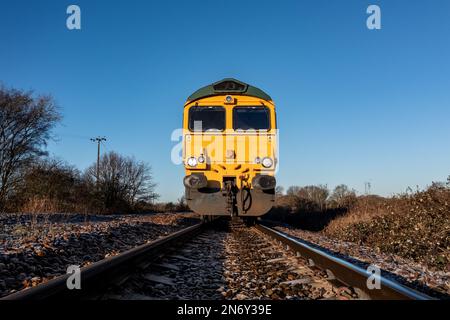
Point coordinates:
[(229, 86)]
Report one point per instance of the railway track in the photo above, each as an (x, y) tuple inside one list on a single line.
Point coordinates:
[(343, 271), (221, 260)]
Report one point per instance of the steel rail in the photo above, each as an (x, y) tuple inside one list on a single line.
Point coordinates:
[(344, 271), (99, 275)]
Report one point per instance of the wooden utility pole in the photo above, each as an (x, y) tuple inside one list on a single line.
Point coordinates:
[(367, 186), (98, 140)]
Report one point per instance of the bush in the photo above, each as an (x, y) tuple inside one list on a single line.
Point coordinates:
[(50, 185), (415, 226)]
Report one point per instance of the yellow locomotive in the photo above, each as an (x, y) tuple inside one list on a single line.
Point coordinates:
[(230, 150)]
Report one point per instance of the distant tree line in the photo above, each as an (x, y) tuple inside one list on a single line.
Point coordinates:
[(316, 198), (312, 207), (30, 181)]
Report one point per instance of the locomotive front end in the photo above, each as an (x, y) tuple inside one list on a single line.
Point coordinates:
[(230, 150)]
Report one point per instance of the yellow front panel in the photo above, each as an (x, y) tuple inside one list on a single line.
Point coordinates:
[(230, 153)]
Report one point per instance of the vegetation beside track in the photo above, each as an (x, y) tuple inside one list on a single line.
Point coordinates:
[(413, 225)]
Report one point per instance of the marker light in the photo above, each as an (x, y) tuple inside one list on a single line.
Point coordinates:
[(257, 160), (192, 162), (267, 162), (201, 159)]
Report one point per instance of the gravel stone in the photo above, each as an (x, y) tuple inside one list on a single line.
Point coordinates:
[(37, 248)]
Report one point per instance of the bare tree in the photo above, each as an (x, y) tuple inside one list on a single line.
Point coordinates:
[(122, 180), (293, 190), (342, 196), (138, 180), (153, 196), (25, 127), (279, 191), (316, 195), (182, 204)]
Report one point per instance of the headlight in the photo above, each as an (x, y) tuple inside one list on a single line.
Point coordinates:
[(191, 162), (267, 162)]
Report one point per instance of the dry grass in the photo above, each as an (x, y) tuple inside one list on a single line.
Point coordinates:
[(47, 205), (365, 209), (41, 205)]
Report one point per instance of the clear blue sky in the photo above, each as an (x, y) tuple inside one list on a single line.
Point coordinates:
[(354, 105)]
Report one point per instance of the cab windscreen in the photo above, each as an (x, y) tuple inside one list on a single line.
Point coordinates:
[(251, 118), (207, 119)]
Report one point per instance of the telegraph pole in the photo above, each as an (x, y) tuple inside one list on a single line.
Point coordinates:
[(98, 140), (367, 186)]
